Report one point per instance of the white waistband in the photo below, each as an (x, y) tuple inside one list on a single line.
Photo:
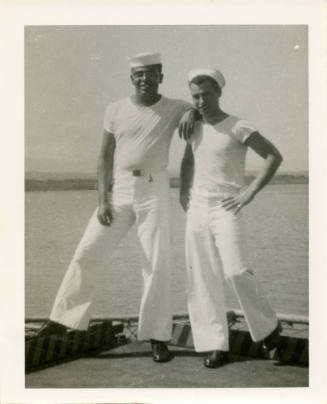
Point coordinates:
[(218, 191)]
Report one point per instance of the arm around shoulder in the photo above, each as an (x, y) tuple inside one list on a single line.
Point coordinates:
[(187, 122)]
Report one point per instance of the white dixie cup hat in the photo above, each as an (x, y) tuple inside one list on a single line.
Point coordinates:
[(144, 59), (215, 74)]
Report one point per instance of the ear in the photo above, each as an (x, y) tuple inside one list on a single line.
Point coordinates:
[(161, 78)]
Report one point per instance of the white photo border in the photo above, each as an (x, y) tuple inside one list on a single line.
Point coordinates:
[(16, 15)]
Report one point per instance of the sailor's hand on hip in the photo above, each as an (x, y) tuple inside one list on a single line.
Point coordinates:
[(235, 203), (105, 215)]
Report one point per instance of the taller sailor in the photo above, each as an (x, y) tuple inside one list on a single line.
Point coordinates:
[(134, 156)]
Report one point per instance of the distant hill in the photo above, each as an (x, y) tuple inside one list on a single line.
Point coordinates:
[(45, 176), (72, 181), (280, 179)]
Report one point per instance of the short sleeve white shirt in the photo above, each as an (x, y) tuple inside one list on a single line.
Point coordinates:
[(219, 154), (143, 134)]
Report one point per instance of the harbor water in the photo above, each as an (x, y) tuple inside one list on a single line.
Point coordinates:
[(277, 238)]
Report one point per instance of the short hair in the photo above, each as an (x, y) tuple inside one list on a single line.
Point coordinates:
[(200, 79)]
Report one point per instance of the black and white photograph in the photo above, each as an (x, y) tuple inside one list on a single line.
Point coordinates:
[(168, 181)]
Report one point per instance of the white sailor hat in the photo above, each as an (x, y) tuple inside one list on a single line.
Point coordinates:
[(145, 59), (207, 71)]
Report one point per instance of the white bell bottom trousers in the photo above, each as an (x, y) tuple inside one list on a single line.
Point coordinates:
[(142, 200), (214, 250)]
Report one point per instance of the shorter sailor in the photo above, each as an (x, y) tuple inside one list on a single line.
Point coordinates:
[(213, 193)]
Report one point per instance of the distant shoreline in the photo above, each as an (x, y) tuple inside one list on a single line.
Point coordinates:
[(91, 183)]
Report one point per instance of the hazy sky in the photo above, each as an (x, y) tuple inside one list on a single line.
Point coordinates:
[(73, 72)]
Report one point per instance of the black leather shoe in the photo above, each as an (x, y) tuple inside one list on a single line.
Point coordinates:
[(215, 359), (160, 352), (51, 328), (273, 339)]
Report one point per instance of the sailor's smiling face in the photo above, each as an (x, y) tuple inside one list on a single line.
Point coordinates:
[(205, 95), (146, 79)]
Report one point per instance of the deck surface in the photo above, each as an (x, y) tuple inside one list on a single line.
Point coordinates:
[(131, 366)]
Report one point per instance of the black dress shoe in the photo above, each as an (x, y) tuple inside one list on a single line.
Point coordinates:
[(51, 328), (160, 352), (215, 359), (273, 339)]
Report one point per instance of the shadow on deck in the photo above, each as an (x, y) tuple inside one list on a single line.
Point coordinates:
[(109, 356)]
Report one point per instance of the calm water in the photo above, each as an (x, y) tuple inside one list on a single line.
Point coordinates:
[(277, 231)]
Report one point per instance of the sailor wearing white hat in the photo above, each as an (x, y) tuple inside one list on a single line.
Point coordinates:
[(134, 157), (215, 74), (145, 59), (213, 193)]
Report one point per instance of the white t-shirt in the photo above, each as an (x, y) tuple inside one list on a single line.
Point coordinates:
[(143, 134), (219, 154)]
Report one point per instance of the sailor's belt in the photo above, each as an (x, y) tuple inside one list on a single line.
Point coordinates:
[(139, 173), (142, 173)]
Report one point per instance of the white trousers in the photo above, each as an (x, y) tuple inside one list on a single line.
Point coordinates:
[(215, 249), (142, 200)]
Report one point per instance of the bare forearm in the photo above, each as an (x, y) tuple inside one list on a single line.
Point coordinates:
[(268, 170), (272, 159), (105, 166), (237, 202), (104, 174)]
